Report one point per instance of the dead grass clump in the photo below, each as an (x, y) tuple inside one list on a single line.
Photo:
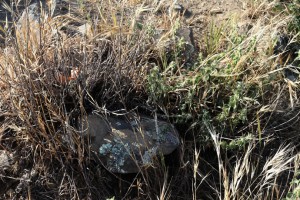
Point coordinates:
[(250, 176), (40, 133), (44, 100), (113, 56)]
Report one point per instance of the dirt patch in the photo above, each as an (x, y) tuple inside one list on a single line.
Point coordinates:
[(206, 15), (218, 9)]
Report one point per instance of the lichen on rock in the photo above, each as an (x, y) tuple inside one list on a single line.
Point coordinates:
[(129, 144)]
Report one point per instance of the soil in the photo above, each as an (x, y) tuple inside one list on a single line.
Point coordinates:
[(218, 10), (202, 14)]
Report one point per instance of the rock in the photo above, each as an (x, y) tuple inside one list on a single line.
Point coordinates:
[(5, 160), (216, 11), (25, 180), (187, 35), (244, 27), (288, 53), (126, 145), (32, 25), (85, 29), (175, 8), (183, 38), (9, 10)]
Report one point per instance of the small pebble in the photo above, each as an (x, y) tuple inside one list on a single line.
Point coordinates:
[(216, 11)]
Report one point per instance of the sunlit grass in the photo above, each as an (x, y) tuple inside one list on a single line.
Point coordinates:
[(230, 101)]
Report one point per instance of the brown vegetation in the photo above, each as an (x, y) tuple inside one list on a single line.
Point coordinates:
[(236, 111)]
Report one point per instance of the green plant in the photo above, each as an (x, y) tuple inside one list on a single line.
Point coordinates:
[(226, 103), (295, 193), (213, 38), (234, 110), (157, 86), (239, 143), (294, 10)]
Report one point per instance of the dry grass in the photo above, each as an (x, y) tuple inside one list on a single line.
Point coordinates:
[(252, 176), (129, 57)]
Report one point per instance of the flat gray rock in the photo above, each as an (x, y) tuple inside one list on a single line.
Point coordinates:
[(126, 145)]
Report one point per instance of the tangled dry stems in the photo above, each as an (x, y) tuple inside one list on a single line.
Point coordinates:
[(116, 60)]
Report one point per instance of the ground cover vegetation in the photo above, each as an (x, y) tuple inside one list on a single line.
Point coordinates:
[(232, 94)]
